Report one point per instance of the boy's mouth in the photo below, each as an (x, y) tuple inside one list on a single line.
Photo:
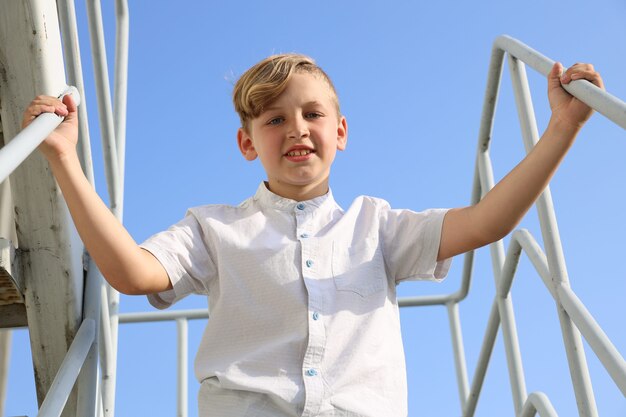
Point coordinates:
[(299, 152)]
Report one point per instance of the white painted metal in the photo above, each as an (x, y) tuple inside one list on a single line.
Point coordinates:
[(68, 372), (538, 402), (181, 327), (27, 140), (105, 112), (486, 349), (605, 103), (50, 250), (164, 316), (120, 87), (597, 339), (88, 383), (114, 152), (459, 352), (73, 66), (556, 260)]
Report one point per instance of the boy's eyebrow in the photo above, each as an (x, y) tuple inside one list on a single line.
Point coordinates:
[(307, 104)]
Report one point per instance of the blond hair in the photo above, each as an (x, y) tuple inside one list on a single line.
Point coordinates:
[(262, 84)]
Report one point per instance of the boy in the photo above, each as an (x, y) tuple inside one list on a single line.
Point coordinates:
[(304, 318)]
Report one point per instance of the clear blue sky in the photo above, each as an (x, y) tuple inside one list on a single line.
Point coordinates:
[(411, 78)]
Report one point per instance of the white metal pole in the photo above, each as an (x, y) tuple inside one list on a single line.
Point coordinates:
[(608, 105), (25, 142), (68, 372), (459, 352), (595, 336), (181, 326), (556, 260), (88, 379), (538, 402), (505, 304), (121, 87), (489, 340), (73, 67), (109, 144), (101, 75)]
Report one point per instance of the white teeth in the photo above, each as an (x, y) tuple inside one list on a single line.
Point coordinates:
[(301, 152)]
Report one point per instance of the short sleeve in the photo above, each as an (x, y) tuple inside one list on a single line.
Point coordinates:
[(411, 244), (183, 252)]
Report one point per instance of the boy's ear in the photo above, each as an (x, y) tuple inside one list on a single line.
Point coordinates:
[(245, 145), (342, 134)]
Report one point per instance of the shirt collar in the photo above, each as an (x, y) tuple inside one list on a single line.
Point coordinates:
[(268, 199)]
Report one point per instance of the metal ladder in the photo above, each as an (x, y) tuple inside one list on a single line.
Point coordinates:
[(90, 358)]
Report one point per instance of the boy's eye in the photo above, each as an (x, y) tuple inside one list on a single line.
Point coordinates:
[(275, 121), (313, 115)]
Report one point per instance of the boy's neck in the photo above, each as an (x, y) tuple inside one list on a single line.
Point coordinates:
[(298, 193)]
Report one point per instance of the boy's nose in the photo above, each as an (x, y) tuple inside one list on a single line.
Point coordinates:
[(298, 130)]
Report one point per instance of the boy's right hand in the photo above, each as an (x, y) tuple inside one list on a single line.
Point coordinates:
[(62, 141)]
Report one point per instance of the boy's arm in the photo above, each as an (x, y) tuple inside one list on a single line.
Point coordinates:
[(127, 267), (504, 206)]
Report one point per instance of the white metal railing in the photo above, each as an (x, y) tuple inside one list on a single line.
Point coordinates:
[(97, 335), (98, 331)]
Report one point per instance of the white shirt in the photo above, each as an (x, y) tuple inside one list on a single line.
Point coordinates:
[(302, 302)]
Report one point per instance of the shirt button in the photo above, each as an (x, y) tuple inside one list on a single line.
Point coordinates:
[(309, 263), (311, 372), (300, 206), (304, 235), (316, 316)]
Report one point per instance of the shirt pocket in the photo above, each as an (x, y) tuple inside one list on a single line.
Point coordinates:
[(358, 268)]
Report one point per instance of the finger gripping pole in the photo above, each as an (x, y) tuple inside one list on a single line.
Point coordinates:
[(72, 91)]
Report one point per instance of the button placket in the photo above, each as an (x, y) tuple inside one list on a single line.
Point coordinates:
[(311, 363)]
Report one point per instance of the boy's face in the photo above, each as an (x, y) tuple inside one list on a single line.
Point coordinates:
[(296, 138)]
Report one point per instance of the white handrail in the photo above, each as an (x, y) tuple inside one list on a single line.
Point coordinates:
[(25, 142)]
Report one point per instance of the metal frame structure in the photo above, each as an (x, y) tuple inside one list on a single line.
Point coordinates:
[(91, 358)]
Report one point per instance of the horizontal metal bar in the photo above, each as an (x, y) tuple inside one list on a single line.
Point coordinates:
[(151, 316), (605, 103), (598, 340), (426, 300), (538, 402), (25, 142), (197, 314), (68, 372)]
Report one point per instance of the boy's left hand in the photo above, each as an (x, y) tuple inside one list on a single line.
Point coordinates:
[(565, 107)]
